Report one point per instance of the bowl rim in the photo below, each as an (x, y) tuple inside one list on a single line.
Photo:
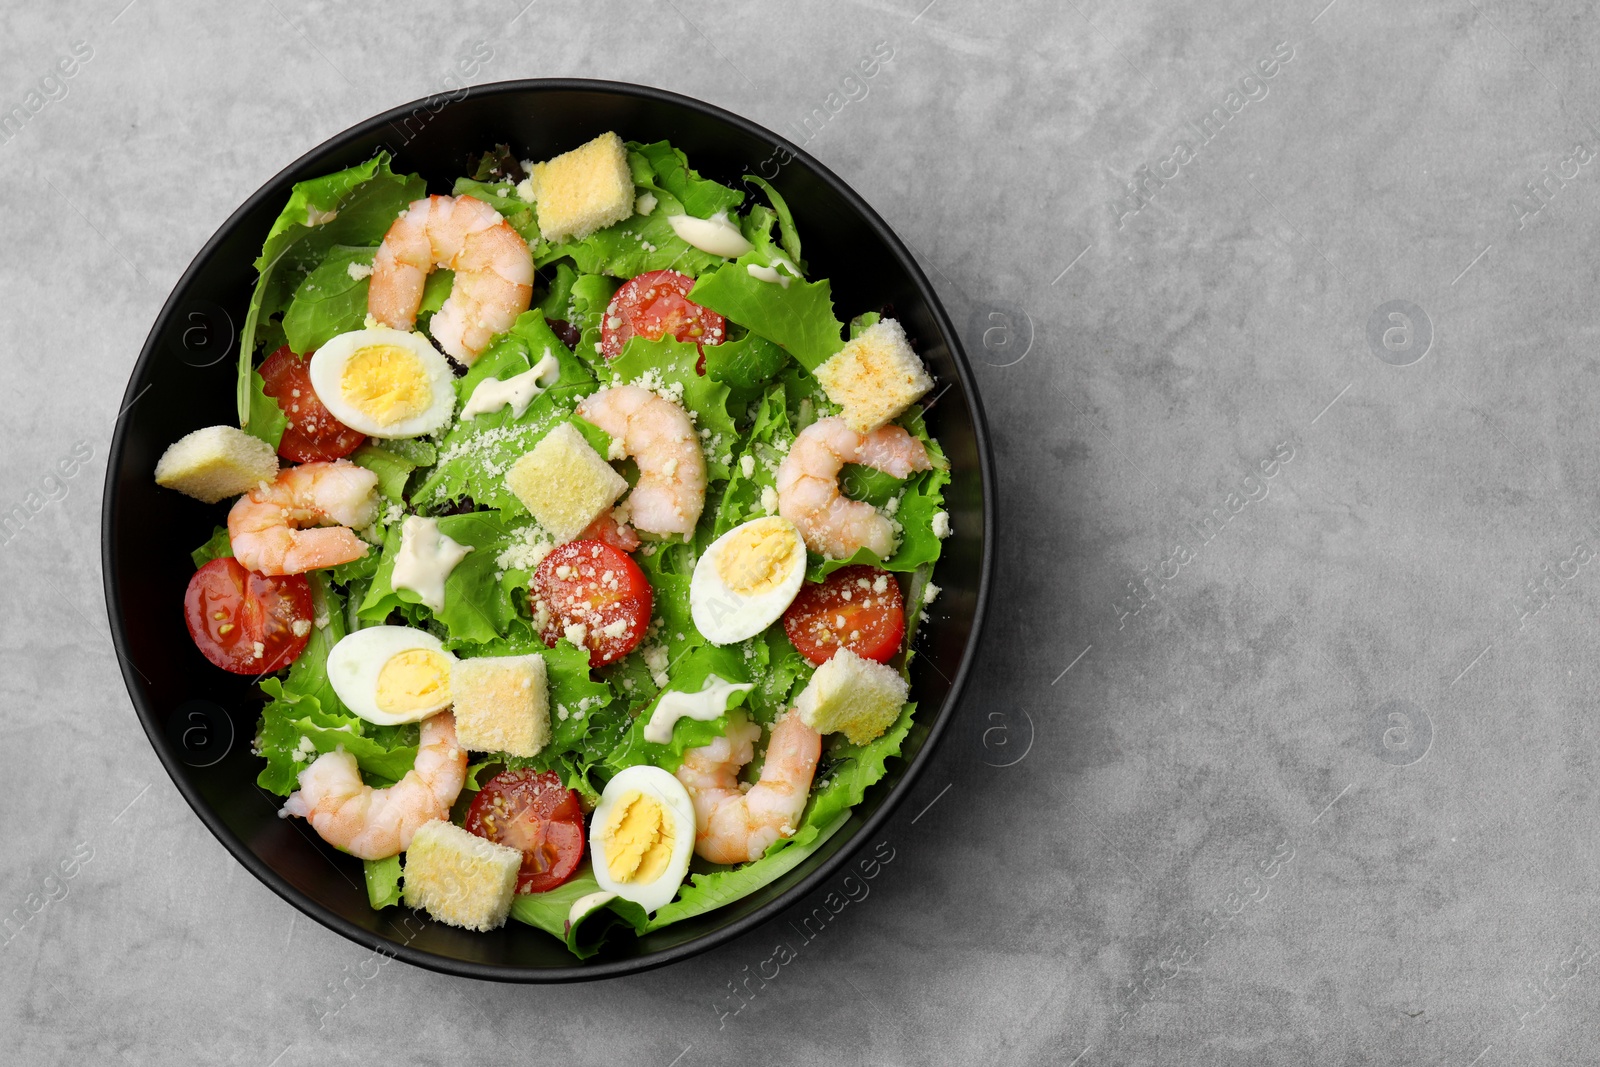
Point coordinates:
[(578, 971)]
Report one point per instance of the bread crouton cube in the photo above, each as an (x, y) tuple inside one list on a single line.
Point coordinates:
[(460, 878), (875, 376), (584, 190), (502, 704), (564, 483), (215, 463), (853, 696)]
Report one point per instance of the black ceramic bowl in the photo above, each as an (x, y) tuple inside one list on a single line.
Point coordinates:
[(201, 720)]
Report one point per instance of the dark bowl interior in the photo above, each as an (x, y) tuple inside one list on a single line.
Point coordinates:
[(200, 720)]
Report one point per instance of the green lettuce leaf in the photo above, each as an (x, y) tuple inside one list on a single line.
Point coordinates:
[(781, 672), (419, 451), (548, 911), (875, 487), (352, 207), (305, 705), (790, 236), (392, 467), (798, 317), (308, 674), (746, 365), (384, 753), (688, 676), (358, 570), (700, 197), (806, 399), (216, 548), (845, 773), (593, 436), (587, 300), (557, 300), (478, 595), (330, 301), (475, 453), (860, 324), (267, 420), (669, 569), (383, 882), (708, 892), (765, 443)]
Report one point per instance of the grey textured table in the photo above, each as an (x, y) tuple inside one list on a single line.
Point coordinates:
[(1282, 745)]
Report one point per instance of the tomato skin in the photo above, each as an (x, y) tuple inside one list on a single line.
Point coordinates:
[(572, 584), (825, 614), (531, 811), (655, 304), (614, 533), (313, 434), (229, 610)]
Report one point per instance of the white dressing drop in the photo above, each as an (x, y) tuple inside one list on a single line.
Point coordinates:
[(492, 394), (587, 903), (707, 704), (425, 560), (768, 274), (715, 235)]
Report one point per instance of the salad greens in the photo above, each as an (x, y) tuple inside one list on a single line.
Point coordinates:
[(754, 395), (353, 207)]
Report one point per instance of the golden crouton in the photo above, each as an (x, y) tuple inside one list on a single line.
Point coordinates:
[(460, 878), (584, 190), (874, 377), (502, 704), (564, 483), (853, 696), (215, 463)]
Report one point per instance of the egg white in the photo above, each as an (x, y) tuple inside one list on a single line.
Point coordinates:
[(667, 791), (356, 661), (327, 372), (724, 615)]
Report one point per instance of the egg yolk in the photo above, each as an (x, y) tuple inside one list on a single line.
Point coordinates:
[(412, 680), (386, 383), (638, 839), (756, 559)]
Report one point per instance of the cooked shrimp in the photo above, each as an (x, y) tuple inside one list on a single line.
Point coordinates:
[(264, 525), (494, 272), (808, 485), (735, 823), (376, 823), (658, 435)]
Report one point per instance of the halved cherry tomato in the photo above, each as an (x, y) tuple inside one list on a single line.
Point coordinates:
[(655, 304), (591, 584), (313, 434), (531, 811), (614, 533), (245, 622), (859, 608)]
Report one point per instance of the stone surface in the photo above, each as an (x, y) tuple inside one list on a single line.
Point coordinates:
[(1310, 784)]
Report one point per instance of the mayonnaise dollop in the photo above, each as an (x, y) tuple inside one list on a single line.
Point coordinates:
[(492, 394), (587, 903), (425, 560), (715, 235), (707, 704)]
